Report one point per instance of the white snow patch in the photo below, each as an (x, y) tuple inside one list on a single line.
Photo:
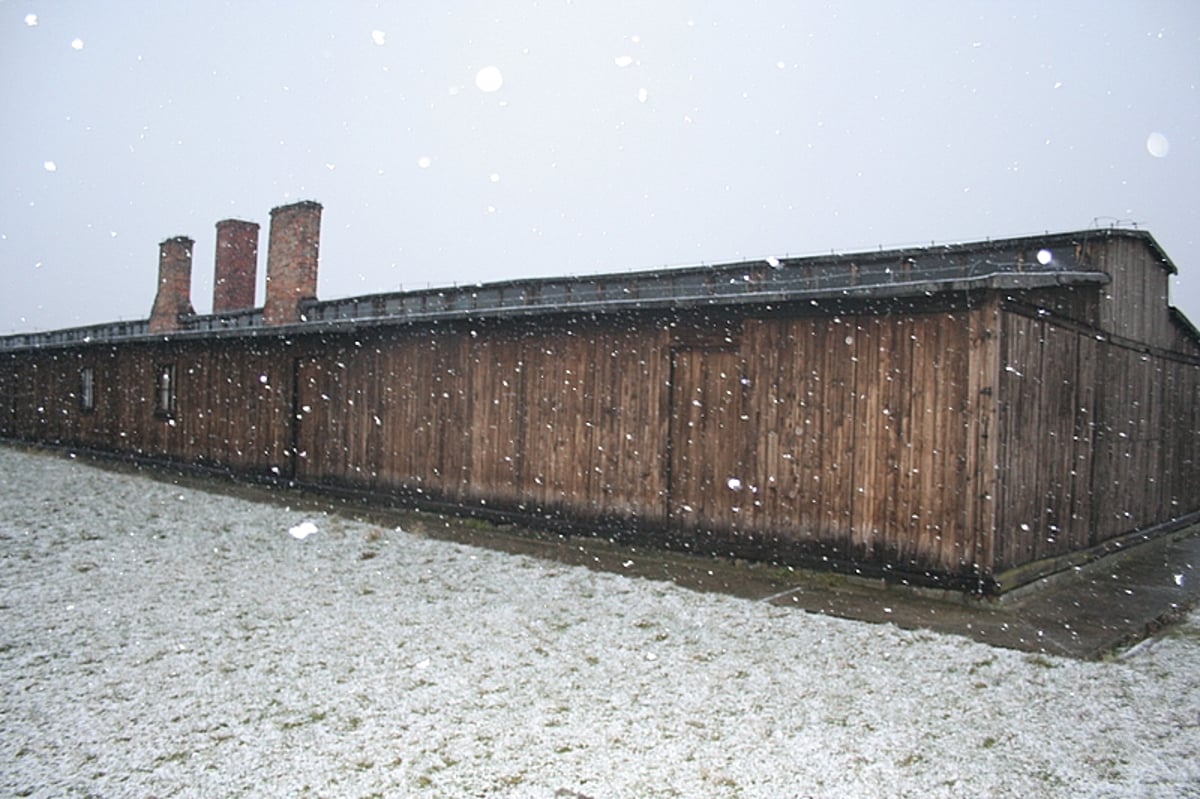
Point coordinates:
[(302, 530), (154, 646)]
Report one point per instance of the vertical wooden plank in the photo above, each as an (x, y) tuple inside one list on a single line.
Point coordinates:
[(811, 439), (982, 432), (868, 471), (917, 387), (952, 486)]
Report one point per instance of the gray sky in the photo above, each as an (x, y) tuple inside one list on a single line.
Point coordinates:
[(626, 135)]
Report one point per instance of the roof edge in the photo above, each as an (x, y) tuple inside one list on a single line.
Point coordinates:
[(1016, 255)]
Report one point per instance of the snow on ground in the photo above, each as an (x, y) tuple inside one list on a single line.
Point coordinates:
[(161, 641)]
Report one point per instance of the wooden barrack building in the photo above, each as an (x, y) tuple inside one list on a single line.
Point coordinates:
[(972, 415)]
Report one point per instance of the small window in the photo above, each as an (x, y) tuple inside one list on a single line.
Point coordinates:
[(164, 390), (87, 389)]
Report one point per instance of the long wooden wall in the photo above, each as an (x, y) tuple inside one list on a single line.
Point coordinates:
[(957, 443), (838, 437), (843, 437)]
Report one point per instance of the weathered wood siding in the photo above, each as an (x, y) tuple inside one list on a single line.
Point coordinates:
[(555, 417), (861, 440), (227, 414), (1133, 306), (844, 437), (1098, 438)]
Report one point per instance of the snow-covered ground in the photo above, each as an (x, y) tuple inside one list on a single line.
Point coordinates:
[(162, 641)]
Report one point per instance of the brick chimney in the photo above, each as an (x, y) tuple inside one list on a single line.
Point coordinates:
[(174, 297), (291, 260), (236, 262)]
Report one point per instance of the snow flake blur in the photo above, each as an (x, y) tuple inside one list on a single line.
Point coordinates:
[(489, 79), (1157, 145)]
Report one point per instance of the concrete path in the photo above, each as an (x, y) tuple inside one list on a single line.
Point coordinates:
[(1088, 613)]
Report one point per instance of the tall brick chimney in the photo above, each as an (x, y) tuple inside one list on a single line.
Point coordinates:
[(291, 260), (174, 297), (236, 263)]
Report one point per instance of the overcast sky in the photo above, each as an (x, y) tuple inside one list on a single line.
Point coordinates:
[(623, 135)]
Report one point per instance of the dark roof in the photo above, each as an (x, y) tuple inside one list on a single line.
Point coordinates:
[(1009, 264)]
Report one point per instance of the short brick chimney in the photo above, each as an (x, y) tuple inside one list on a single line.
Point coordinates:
[(174, 297), (291, 261), (236, 263)]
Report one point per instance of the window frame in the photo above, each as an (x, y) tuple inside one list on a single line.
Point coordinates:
[(166, 390), (87, 389)]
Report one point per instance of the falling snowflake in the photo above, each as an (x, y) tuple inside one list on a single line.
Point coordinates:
[(1157, 145), (489, 79)]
